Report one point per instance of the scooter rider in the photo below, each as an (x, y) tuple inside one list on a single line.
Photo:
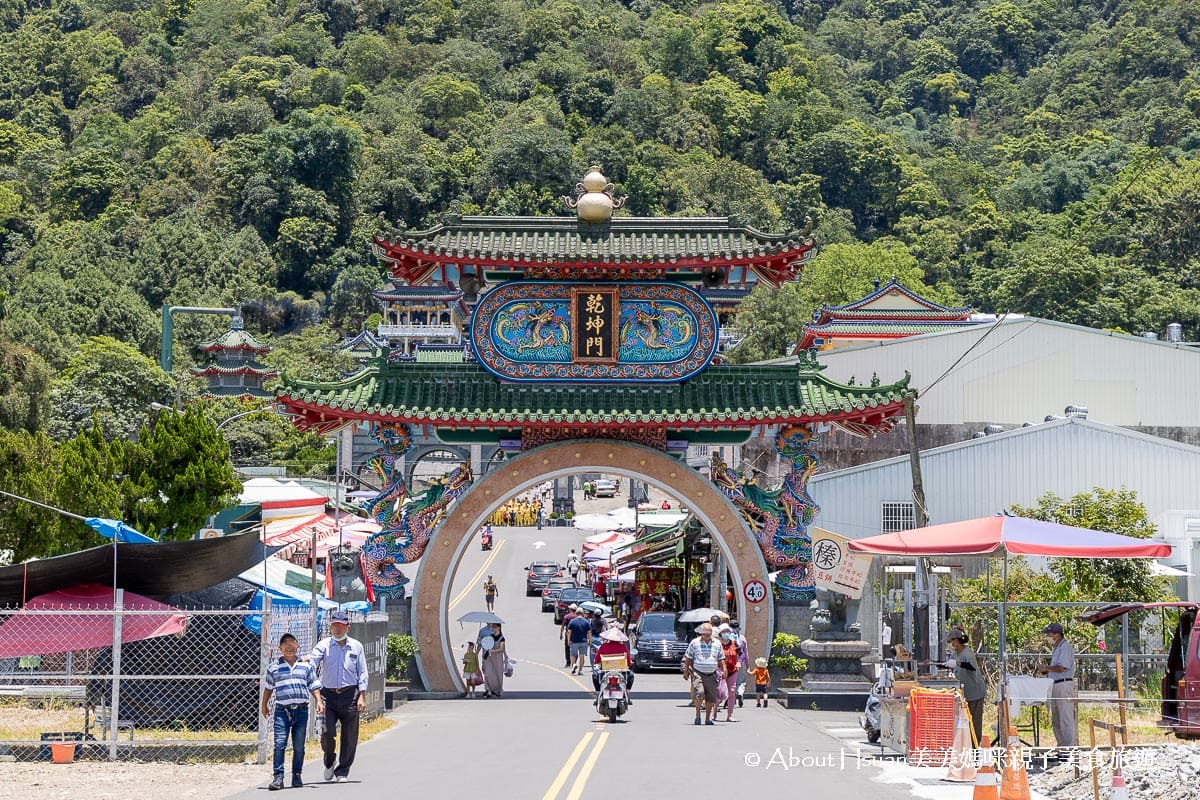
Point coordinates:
[(613, 647)]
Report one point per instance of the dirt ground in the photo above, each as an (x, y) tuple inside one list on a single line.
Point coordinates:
[(97, 780)]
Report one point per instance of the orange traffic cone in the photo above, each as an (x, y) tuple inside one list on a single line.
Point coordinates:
[(1119, 792), (961, 756), (1015, 784), (987, 785)]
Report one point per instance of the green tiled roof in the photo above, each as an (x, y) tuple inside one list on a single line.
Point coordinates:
[(466, 396), (234, 339), (565, 239)]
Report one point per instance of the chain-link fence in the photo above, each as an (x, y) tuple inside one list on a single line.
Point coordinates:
[(140, 684)]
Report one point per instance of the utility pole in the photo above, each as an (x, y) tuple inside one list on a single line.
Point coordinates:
[(922, 578)]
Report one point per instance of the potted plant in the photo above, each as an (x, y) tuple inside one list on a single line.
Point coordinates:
[(784, 661)]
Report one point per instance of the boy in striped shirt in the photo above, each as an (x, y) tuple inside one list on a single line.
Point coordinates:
[(292, 681)]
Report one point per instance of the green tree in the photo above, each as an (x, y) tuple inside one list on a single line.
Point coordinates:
[(1102, 579), (176, 474), (110, 384)]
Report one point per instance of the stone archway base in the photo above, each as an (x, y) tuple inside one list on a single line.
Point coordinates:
[(433, 582)]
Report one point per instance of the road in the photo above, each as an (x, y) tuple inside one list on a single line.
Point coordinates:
[(544, 739)]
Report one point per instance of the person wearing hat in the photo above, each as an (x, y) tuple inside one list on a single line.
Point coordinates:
[(578, 632), (762, 681), (1061, 670), (343, 669), (966, 669)]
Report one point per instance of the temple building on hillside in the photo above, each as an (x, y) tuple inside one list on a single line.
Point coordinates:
[(421, 315), (233, 369), (891, 311)]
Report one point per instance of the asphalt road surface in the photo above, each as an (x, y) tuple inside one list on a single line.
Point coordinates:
[(544, 739)]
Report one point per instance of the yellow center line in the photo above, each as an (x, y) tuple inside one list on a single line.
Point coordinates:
[(487, 562), (586, 770), (563, 773), (560, 671)]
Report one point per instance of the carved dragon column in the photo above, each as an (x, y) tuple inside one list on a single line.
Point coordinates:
[(780, 518)]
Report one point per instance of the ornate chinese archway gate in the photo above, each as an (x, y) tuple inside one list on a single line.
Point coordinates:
[(592, 347), (431, 598)]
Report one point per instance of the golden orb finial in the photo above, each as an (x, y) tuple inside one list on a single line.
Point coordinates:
[(594, 202)]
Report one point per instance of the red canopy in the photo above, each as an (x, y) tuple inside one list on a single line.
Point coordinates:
[(1018, 535), (33, 632)]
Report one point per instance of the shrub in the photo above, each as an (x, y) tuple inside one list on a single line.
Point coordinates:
[(784, 658), (400, 650)]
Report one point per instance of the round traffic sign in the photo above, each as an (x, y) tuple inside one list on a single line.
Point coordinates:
[(755, 591)]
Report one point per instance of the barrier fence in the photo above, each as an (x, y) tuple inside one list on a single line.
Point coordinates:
[(135, 684)]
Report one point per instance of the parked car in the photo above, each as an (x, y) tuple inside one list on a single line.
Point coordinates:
[(553, 590), (658, 640), (567, 597), (604, 488), (539, 574)]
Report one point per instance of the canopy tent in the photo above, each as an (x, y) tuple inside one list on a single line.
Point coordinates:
[(600, 555), (1002, 535), (609, 539), (117, 531), (157, 568), (27, 634)]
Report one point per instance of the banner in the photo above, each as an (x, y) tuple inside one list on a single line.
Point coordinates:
[(836, 568), (652, 582)]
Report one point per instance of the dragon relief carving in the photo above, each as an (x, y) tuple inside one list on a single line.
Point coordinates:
[(407, 523), (780, 518), (653, 326), (535, 326)]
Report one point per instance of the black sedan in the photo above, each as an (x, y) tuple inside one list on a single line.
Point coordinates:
[(658, 641)]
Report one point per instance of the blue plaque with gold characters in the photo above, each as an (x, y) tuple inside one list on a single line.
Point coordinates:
[(538, 331)]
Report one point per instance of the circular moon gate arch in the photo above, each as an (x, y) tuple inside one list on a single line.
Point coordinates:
[(436, 659)]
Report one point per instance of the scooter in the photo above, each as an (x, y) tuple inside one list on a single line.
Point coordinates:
[(613, 698), (872, 714), (485, 543)]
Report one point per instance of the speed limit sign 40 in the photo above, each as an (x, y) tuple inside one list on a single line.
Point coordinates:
[(755, 591)]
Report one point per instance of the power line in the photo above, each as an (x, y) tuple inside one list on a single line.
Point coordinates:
[(1075, 243)]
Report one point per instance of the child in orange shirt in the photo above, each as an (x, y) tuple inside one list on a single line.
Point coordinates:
[(762, 681)]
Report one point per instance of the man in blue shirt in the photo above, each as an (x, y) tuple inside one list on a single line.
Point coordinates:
[(579, 632), (292, 682), (343, 667)]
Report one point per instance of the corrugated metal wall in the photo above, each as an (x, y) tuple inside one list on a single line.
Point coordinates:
[(981, 477), (1028, 368)]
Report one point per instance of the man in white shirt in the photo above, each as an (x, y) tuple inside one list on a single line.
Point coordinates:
[(704, 666), (1062, 692)]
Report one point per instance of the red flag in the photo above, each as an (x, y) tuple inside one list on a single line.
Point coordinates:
[(362, 568)]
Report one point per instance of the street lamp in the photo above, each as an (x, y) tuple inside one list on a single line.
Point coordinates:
[(227, 420)]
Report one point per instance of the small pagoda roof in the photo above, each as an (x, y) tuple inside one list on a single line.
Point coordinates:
[(874, 306), (363, 340), (236, 338), (622, 248), (436, 293), (465, 396), (890, 311), (241, 369)]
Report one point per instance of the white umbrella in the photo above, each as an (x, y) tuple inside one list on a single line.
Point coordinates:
[(699, 615), (599, 556), (486, 617)]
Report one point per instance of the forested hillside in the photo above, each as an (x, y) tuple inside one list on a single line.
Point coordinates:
[(1022, 155)]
